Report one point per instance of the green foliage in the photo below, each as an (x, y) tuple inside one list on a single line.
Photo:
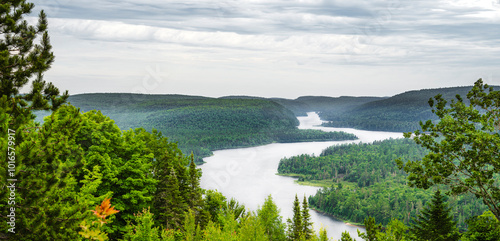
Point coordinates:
[(269, 216), (191, 230), (395, 231), (143, 228), (252, 229), (21, 59), (346, 237), (485, 227), (323, 235), (435, 221), (45, 159), (464, 146), (372, 229)]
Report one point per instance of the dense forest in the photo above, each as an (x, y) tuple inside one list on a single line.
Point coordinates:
[(364, 181), (201, 124)]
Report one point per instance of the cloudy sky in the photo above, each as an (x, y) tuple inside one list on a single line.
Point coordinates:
[(272, 48)]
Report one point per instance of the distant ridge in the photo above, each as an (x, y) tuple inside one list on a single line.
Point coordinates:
[(401, 112)]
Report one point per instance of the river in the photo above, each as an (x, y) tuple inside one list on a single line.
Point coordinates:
[(249, 174)]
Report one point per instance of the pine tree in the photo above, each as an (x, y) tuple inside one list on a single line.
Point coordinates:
[(307, 229), (21, 59), (42, 183), (435, 221)]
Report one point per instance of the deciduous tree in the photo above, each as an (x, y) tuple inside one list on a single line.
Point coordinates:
[(464, 146)]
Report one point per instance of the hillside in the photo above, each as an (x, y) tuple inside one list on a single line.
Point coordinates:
[(399, 113), (324, 104), (202, 124)]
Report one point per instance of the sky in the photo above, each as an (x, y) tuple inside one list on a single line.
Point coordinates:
[(271, 48)]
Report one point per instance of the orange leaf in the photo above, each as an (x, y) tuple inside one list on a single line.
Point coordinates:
[(105, 209)]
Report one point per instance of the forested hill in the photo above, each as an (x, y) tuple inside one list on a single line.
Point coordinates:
[(324, 104), (399, 113), (203, 124)]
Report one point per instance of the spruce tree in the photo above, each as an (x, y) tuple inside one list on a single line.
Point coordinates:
[(435, 221), (295, 228), (195, 192), (169, 203), (307, 228)]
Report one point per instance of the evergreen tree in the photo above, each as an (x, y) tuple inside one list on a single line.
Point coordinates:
[(295, 228), (21, 59), (307, 229), (42, 183), (169, 204), (195, 191), (269, 216), (435, 221)]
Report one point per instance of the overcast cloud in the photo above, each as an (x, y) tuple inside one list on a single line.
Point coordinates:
[(272, 48)]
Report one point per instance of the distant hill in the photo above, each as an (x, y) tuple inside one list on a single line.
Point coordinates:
[(400, 113), (324, 104), (203, 124)]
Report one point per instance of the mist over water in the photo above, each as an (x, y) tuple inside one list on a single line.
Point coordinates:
[(249, 174)]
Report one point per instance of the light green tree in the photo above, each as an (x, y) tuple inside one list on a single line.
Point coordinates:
[(346, 237), (395, 231), (269, 216), (485, 227)]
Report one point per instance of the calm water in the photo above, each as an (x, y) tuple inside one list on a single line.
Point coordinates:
[(249, 174)]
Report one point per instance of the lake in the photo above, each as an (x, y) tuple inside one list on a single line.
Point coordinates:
[(249, 174)]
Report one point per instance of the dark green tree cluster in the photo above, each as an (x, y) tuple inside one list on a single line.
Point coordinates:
[(365, 164), (300, 226)]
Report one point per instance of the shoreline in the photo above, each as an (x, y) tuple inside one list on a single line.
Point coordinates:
[(358, 225)]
